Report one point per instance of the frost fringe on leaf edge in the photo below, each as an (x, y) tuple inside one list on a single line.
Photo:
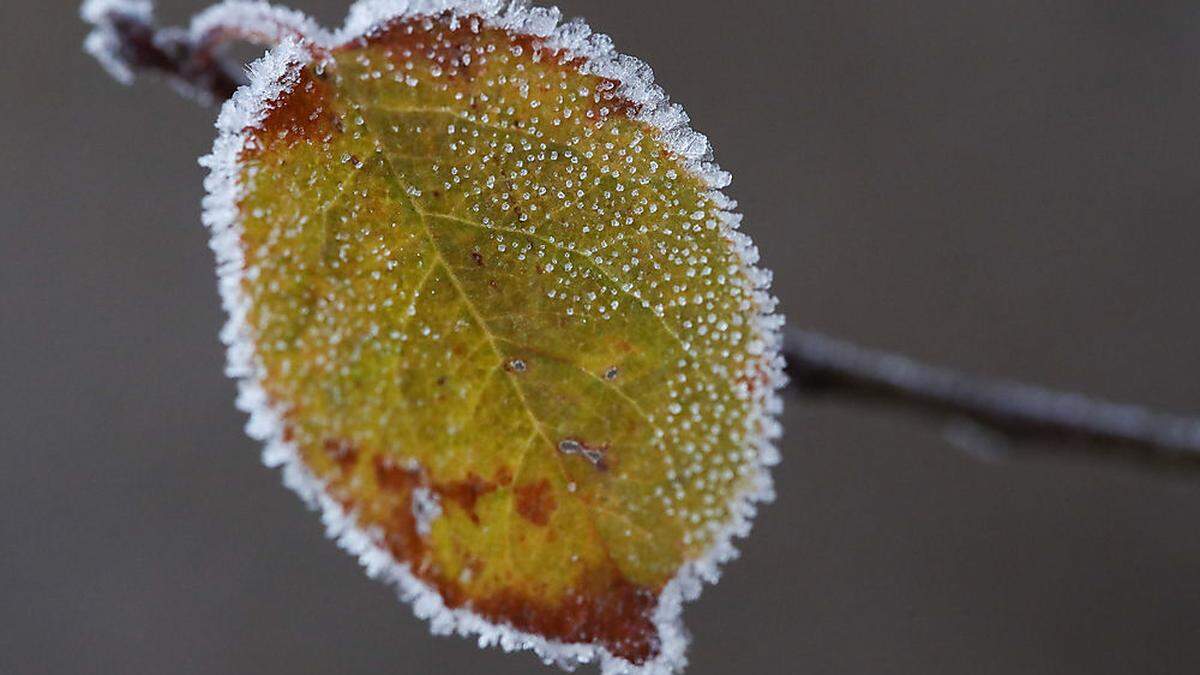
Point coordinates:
[(273, 76)]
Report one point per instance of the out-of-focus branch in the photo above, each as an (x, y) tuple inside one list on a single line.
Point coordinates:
[(126, 40), (991, 416)]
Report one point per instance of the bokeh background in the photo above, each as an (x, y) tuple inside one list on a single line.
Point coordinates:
[(1007, 187)]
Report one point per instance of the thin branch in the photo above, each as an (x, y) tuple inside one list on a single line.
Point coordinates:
[(999, 415), (127, 42)]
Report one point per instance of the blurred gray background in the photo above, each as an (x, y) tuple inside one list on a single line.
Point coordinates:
[(1007, 187)]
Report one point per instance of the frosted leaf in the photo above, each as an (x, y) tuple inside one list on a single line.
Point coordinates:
[(490, 312)]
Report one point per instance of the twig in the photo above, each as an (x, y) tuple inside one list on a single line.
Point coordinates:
[(998, 415), (1000, 411), (127, 42)]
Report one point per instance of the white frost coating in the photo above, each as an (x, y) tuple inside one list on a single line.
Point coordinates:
[(274, 75), (103, 43), (425, 509), (256, 19)]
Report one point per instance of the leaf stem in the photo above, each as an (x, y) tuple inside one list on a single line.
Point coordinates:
[(991, 417), (128, 42), (137, 45)]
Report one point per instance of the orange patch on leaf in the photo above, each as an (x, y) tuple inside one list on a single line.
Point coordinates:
[(446, 40), (465, 493), (342, 452), (504, 476), (754, 381), (602, 608), (439, 42), (301, 115), (401, 535), (612, 611), (535, 503)]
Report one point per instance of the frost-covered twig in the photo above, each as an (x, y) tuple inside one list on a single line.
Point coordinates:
[(127, 42), (992, 415)]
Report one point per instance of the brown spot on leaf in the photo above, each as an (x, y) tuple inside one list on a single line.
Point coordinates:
[(443, 40), (394, 512), (477, 257), (393, 477), (299, 116), (504, 476), (465, 493), (610, 611), (535, 503), (342, 452), (603, 607), (454, 45), (400, 481), (609, 103), (754, 381)]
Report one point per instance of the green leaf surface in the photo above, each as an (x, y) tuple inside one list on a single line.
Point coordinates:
[(506, 328)]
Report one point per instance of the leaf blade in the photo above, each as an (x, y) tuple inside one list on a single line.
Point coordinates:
[(407, 209)]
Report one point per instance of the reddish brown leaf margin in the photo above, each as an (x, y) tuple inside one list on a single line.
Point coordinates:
[(275, 75)]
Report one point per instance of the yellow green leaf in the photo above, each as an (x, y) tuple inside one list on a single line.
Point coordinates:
[(492, 314)]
